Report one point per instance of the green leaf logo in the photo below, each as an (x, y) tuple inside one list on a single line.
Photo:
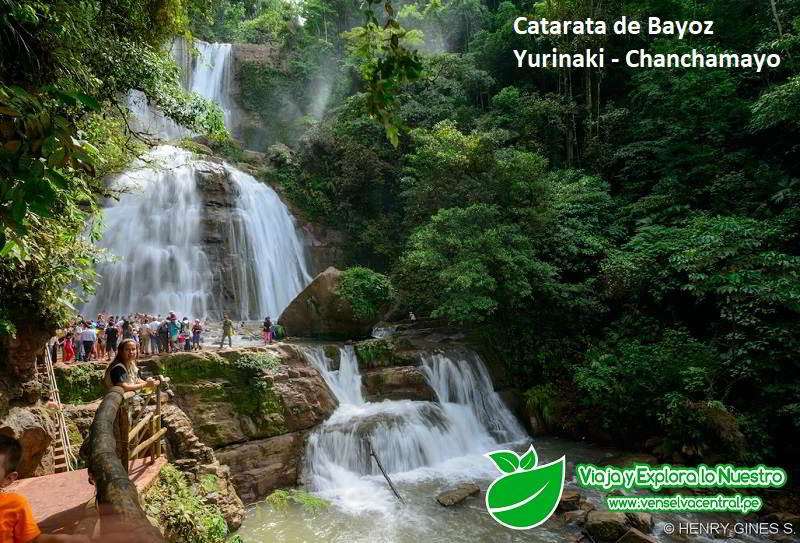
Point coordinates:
[(527, 495)]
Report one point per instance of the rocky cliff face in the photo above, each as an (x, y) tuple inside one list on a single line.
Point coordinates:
[(219, 200), (254, 407)]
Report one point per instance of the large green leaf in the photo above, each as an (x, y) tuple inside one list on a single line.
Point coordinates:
[(506, 461), (525, 499)]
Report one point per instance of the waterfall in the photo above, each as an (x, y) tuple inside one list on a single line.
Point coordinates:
[(467, 382), (207, 71), (154, 230), (344, 380), (271, 266), (158, 226), (413, 439)]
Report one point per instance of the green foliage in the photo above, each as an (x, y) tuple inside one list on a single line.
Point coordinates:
[(47, 195), (283, 499), (82, 383), (182, 511), (385, 61), (543, 400), (367, 292), (656, 380), (257, 362), (375, 352)]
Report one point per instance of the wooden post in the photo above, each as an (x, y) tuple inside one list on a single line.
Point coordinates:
[(158, 417), (122, 429)]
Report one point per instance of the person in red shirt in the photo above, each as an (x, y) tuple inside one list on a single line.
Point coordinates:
[(16, 519)]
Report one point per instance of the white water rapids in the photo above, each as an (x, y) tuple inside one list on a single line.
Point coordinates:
[(156, 229), (423, 446)]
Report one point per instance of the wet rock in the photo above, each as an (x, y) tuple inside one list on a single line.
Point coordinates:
[(366, 425), (261, 466), (570, 500), (641, 521), (228, 403), (606, 526), (196, 459), (578, 516), (319, 311), (457, 494), (399, 383), (635, 536)]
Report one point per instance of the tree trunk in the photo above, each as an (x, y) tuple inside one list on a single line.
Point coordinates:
[(777, 19), (117, 497)]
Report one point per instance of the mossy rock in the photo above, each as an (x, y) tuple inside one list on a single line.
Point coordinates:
[(82, 383), (241, 378), (236, 366), (334, 354), (381, 353)]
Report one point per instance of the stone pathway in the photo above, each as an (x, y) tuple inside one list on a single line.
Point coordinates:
[(59, 501)]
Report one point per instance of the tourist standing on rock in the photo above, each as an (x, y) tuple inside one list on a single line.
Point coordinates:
[(173, 327), (122, 372), (69, 352), (163, 336), (112, 335), (76, 334), (267, 330), (127, 328), (100, 346), (154, 346), (144, 337), (197, 329), (227, 331)]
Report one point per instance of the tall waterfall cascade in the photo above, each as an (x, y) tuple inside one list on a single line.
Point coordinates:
[(157, 228), (161, 265), (414, 439)]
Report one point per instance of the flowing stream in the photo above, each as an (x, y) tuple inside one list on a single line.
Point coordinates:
[(426, 447), (156, 229)]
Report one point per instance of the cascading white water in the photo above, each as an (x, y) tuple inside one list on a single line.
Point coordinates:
[(467, 382), (265, 252), (154, 230), (344, 380), (206, 70), (412, 438), (271, 265)]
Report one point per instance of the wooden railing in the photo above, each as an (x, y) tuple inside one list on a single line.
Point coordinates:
[(108, 450), (144, 439)]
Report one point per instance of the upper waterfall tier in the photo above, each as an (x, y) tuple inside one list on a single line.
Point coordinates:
[(207, 69)]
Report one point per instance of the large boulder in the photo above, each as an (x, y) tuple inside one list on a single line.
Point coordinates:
[(319, 311), (401, 383), (201, 466), (261, 466), (35, 429), (606, 525)]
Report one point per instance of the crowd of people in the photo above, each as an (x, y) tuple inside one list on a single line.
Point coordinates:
[(97, 340), (85, 340)]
